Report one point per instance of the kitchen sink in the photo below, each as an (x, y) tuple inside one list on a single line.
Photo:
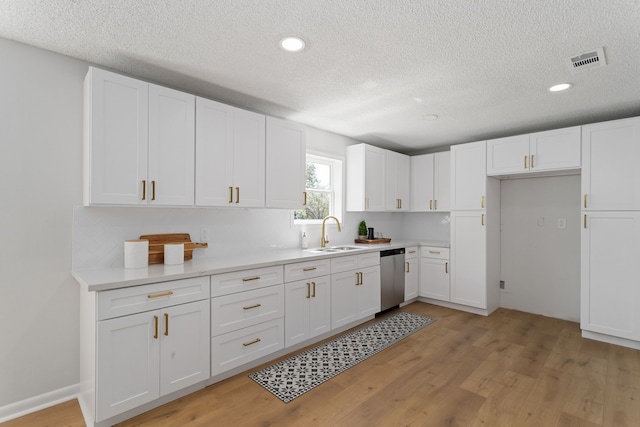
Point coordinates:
[(332, 249)]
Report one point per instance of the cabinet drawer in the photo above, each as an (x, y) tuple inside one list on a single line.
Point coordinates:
[(245, 280), (236, 348), (237, 311), (411, 252), (306, 270), (352, 262), (434, 252), (137, 299)]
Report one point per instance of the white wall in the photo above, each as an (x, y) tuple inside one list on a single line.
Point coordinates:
[(540, 264), (40, 180)]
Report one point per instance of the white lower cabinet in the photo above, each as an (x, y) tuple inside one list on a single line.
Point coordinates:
[(610, 294), (355, 294), (308, 308), (411, 273), (142, 356), (434, 273)]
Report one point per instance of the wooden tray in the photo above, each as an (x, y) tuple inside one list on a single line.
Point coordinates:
[(157, 242), (373, 242)]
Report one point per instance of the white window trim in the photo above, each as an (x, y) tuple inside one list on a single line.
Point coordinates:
[(337, 180)]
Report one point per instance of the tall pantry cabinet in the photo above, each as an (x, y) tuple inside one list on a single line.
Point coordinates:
[(475, 231), (610, 241)]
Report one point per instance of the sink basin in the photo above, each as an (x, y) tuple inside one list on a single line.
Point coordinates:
[(332, 249)]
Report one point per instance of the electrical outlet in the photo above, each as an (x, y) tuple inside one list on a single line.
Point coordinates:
[(562, 223), (204, 235), (501, 284)]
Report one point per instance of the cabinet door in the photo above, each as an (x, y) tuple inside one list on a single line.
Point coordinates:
[(469, 259), (344, 303), (185, 346), (442, 181), (171, 146), (214, 153), (610, 159), (248, 158), (556, 149), (434, 278), (368, 292), (468, 176), (410, 279), (320, 306), (286, 164), (397, 177), (508, 155), (374, 178), (422, 182), (296, 321), (116, 138), (128, 363), (610, 292)]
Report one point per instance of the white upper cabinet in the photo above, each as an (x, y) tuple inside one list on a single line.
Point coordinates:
[(230, 156), (138, 142), (397, 180), (468, 176), (171, 146), (431, 182), (365, 178), (551, 151), (610, 165), (285, 165)]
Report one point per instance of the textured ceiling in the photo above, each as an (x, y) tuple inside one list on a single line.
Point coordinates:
[(372, 68)]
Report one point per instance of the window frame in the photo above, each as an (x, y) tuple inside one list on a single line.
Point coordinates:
[(336, 190)]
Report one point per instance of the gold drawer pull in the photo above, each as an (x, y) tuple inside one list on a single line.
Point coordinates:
[(482, 219), (446, 267), (585, 201), (166, 324), (412, 252), (155, 335), (407, 267), (585, 221), (247, 344), (164, 294), (525, 162), (309, 268), (250, 279), (435, 252), (252, 306), (482, 202), (314, 290)]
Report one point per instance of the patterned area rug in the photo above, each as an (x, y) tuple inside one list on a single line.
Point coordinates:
[(298, 374)]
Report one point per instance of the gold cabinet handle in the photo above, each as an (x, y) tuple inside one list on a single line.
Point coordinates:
[(155, 335), (435, 252), (313, 295), (166, 324), (237, 195), (366, 203), (430, 205), (412, 252), (435, 205), (585, 201), (308, 290), (164, 294), (305, 198), (247, 344), (525, 162), (230, 194), (309, 268), (585, 221), (446, 267), (249, 307), (533, 161), (153, 190), (482, 202), (144, 189), (357, 278), (251, 279), (406, 270), (482, 219)]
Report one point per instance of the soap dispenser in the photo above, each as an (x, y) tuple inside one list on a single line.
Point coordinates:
[(305, 242)]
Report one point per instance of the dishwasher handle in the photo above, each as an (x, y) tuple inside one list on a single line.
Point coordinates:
[(391, 252)]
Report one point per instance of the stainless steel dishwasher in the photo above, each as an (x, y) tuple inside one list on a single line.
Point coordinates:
[(391, 278)]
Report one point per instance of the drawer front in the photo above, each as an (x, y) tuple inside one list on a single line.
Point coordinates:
[(236, 348), (344, 263), (369, 260), (306, 270), (411, 252), (245, 280), (137, 299), (434, 252), (236, 311)]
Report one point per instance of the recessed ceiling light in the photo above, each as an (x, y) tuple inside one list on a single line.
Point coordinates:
[(561, 86), (292, 44), (430, 117)]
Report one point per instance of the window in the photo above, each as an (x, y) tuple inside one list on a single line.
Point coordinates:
[(324, 190)]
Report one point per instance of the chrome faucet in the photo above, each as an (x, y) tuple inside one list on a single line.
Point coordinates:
[(325, 238)]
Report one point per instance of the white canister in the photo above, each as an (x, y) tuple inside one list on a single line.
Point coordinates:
[(173, 253), (136, 253)]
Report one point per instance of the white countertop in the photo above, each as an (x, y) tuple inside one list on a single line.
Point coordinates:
[(113, 278)]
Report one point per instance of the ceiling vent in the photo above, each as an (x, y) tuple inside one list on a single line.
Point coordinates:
[(587, 60)]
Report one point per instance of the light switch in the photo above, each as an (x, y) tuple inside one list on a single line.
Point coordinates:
[(541, 222), (562, 223)]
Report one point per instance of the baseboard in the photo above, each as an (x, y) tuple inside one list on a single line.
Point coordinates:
[(36, 403)]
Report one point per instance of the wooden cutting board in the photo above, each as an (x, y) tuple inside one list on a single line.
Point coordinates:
[(374, 241), (157, 242)]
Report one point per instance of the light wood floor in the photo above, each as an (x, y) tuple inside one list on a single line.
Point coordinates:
[(508, 369)]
